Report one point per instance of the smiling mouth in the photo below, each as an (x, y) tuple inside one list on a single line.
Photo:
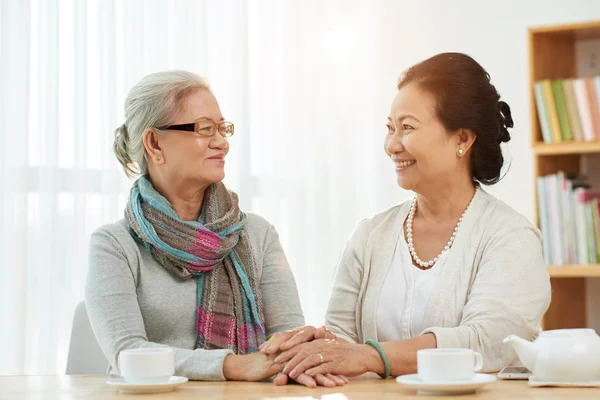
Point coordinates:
[(404, 164)]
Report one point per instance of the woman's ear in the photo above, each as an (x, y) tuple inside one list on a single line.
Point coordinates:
[(152, 146), (466, 138)]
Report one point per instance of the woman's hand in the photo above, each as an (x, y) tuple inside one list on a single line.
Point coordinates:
[(250, 367), (327, 380), (330, 356), (282, 341), (257, 367), (286, 340)]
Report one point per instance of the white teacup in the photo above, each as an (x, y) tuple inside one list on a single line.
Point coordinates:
[(147, 365), (447, 365)]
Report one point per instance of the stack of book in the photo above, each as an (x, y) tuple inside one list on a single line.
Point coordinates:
[(569, 219), (569, 109)]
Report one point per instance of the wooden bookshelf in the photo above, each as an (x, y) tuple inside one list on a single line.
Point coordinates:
[(552, 55), (553, 149), (574, 271)]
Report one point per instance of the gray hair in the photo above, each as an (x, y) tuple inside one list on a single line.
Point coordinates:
[(153, 102)]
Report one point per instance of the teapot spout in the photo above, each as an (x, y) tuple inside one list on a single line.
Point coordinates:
[(526, 350)]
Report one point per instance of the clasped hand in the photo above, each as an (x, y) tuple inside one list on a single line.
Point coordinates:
[(313, 356)]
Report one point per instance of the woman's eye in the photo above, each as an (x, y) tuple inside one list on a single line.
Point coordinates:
[(407, 127), (390, 129), (205, 128)]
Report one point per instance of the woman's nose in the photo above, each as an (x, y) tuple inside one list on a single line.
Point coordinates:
[(394, 144), (218, 141)]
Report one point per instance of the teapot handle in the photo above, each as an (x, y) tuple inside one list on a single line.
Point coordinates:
[(478, 361)]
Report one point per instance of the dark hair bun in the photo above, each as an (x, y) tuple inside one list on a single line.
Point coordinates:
[(507, 121)]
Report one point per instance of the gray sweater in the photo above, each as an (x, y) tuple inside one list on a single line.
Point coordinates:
[(134, 302)]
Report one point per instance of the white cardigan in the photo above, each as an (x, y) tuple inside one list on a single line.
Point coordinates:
[(494, 282)]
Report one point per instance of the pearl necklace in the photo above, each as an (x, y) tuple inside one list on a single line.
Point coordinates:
[(409, 233)]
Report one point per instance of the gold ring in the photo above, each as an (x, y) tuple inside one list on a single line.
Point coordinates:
[(321, 357)]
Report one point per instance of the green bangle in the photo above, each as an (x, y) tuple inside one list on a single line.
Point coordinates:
[(386, 362)]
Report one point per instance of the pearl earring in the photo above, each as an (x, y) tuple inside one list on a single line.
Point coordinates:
[(460, 152), (157, 158)]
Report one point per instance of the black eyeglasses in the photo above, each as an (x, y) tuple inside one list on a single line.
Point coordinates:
[(204, 127)]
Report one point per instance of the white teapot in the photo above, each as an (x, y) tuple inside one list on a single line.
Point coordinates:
[(562, 355)]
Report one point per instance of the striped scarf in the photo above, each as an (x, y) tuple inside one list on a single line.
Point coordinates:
[(216, 251)]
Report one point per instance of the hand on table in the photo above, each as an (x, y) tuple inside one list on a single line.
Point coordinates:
[(257, 367), (329, 356), (282, 341)]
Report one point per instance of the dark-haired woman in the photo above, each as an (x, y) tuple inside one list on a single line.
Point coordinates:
[(453, 267)]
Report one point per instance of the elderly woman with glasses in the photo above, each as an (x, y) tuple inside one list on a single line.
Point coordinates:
[(186, 268)]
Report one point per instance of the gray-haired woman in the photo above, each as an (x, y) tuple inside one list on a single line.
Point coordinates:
[(186, 268)]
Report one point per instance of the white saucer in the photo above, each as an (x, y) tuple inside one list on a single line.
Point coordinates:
[(128, 387), (535, 383), (453, 387)]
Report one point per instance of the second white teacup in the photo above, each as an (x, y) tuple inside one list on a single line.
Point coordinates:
[(447, 365), (147, 365)]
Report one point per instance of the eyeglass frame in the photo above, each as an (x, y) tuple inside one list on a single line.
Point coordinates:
[(191, 127)]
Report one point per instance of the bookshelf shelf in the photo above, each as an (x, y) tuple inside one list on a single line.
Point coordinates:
[(546, 149), (574, 271), (582, 30), (554, 54)]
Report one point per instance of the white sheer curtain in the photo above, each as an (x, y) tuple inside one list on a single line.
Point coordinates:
[(59, 105), (295, 77)]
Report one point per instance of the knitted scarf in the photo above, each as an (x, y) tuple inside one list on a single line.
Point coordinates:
[(216, 251)]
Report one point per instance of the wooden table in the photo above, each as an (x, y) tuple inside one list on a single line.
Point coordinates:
[(93, 387)]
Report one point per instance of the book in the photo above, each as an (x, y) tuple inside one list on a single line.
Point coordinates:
[(573, 110), (569, 216), (568, 109), (561, 110), (583, 106), (551, 109), (540, 103)]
